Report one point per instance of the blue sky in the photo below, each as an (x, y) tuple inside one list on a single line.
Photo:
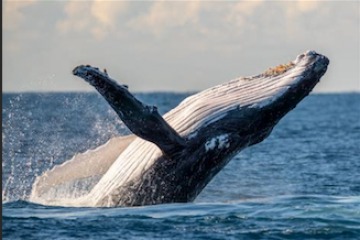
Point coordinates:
[(174, 45)]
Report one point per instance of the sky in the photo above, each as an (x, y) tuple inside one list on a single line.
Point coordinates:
[(174, 45)]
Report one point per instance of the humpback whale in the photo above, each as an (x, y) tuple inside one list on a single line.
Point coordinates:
[(171, 158)]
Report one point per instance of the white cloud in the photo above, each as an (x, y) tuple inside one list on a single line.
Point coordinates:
[(206, 41), (246, 7), (13, 17), (14, 20), (299, 7), (106, 12), (241, 10), (97, 17), (306, 5), (164, 15), (77, 17)]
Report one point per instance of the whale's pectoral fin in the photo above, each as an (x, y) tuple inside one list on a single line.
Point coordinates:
[(83, 166), (143, 120)]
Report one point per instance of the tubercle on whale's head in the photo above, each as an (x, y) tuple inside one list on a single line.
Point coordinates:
[(312, 61)]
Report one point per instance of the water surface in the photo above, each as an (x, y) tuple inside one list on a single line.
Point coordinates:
[(303, 182)]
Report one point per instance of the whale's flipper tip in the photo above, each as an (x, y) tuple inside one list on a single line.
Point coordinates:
[(75, 70), (81, 70)]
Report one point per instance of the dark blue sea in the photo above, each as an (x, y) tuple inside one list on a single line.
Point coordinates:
[(303, 182)]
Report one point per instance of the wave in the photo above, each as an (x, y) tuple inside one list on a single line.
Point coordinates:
[(300, 205), (283, 217)]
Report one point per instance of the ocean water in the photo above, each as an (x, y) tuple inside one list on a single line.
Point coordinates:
[(302, 182)]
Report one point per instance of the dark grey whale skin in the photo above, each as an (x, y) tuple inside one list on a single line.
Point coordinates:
[(186, 166)]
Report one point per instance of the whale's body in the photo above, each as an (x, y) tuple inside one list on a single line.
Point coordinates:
[(171, 159)]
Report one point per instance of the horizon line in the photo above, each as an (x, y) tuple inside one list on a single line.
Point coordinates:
[(158, 92)]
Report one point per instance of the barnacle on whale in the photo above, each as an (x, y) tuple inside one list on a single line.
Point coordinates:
[(279, 69)]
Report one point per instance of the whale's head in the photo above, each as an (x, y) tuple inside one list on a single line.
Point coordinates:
[(272, 94), (287, 84), (252, 106)]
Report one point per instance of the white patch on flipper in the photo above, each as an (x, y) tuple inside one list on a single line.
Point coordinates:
[(221, 141)]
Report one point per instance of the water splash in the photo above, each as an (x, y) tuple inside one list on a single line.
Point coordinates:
[(38, 134)]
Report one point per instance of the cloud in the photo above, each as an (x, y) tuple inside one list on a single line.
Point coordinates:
[(241, 10), (13, 16), (14, 22), (106, 12), (209, 40), (77, 17), (164, 16), (301, 6), (97, 17), (306, 5), (246, 7)]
